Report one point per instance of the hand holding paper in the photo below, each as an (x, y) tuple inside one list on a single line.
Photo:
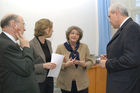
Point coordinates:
[(49, 65), (57, 59)]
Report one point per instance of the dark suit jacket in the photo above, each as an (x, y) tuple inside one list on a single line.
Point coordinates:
[(39, 59), (16, 68), (123, 64)]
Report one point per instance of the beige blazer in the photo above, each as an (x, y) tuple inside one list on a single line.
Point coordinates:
[(39, 59), (66, 75)]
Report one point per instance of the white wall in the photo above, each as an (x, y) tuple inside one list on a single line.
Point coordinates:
[(63, 13)]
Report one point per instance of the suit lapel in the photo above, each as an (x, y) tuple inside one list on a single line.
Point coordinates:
[(115, 36), (39, 49)]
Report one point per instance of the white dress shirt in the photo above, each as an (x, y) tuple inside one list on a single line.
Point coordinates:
[(10, 36)]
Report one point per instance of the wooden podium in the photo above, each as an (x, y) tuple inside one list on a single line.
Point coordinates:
[(97, 80)]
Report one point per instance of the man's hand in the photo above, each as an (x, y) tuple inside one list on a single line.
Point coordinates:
[(103, 57), (102, 63), (23, 41)]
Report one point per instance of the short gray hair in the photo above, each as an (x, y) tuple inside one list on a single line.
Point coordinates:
[(119, 7), (74, 28), (6, 20)]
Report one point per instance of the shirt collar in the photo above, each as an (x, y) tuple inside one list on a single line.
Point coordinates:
[(124, 21), (10, 36)]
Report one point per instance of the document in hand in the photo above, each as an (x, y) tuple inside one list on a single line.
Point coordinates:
[(57, 59)]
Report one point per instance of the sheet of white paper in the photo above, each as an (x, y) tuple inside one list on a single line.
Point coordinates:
[(57, 59)]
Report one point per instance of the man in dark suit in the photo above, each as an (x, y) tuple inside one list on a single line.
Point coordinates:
[(123, 53), (16, 61)]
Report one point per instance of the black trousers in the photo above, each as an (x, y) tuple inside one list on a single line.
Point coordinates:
[(47, 86), (74, 89)]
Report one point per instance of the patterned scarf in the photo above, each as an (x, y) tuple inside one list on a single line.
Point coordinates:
[(74, 53)]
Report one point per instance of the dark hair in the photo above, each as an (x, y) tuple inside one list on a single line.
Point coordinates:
[(74, 28), (6, 20), (41, 25)]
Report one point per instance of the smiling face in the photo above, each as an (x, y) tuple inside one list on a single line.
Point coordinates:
[(74, 36)]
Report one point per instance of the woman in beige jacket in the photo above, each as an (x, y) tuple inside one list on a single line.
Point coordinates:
[(73, 77)]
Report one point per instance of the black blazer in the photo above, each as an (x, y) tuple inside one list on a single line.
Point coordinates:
[(123, 64), (16, 68)]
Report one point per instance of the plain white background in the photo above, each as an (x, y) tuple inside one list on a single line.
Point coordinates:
[(63, 13)]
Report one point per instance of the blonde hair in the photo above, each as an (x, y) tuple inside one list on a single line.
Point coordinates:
[(41, 25)]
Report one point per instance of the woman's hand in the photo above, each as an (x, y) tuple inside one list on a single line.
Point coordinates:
[(49, 65), (69, 62), (80, 63)]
